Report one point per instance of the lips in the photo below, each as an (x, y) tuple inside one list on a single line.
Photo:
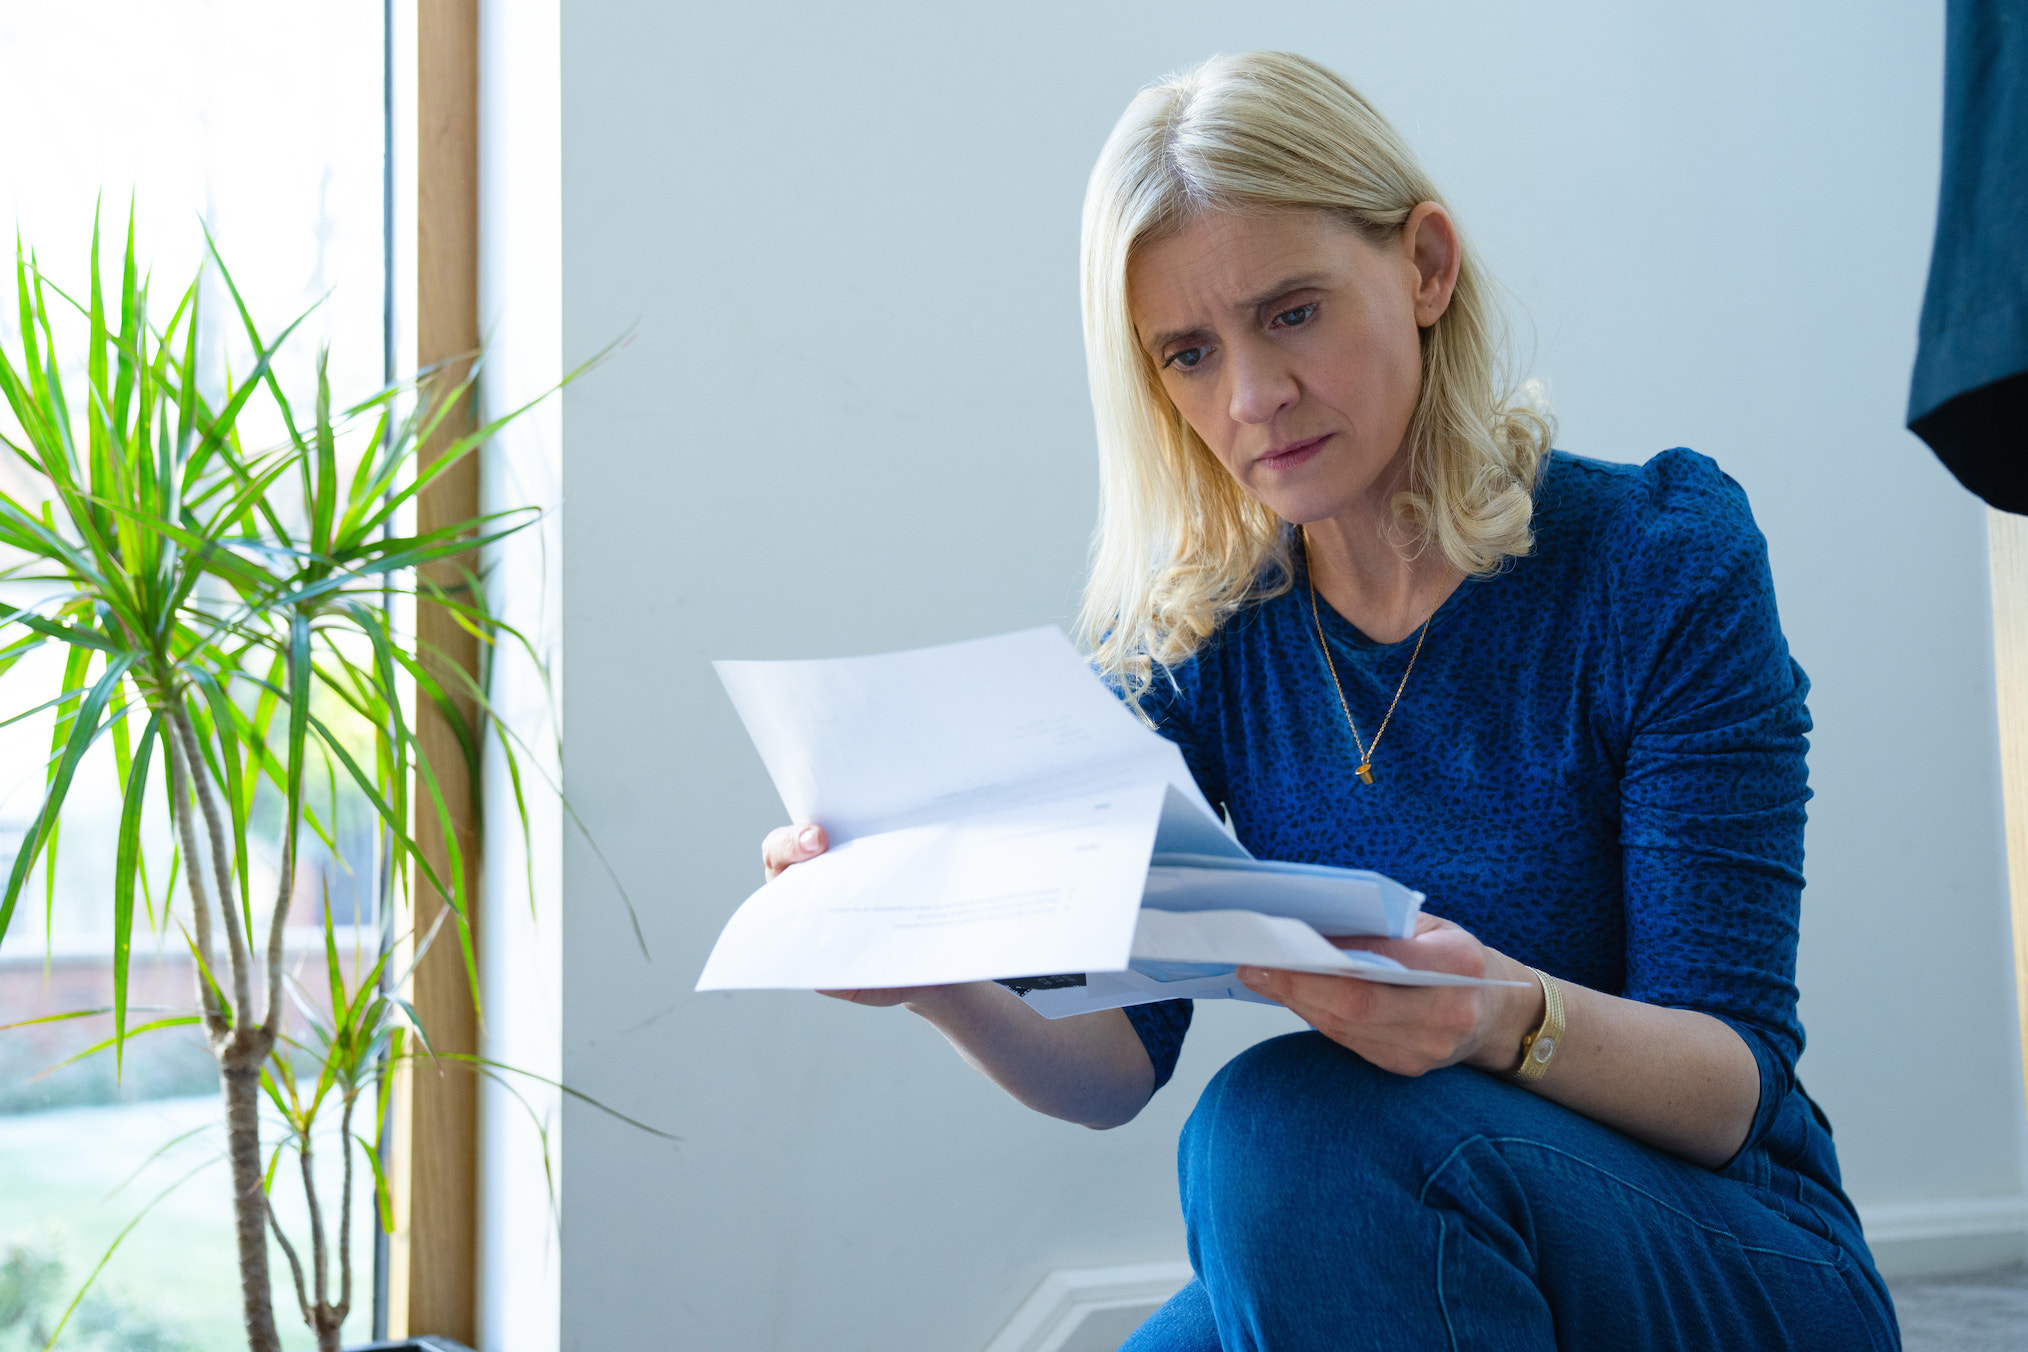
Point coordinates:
[(1293, 453)]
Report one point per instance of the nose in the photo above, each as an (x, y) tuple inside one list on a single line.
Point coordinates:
[(1262, 385)]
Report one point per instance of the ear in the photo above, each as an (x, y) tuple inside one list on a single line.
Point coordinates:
[(1431, 243)]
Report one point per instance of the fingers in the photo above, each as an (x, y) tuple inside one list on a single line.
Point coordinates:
[(876, 999), (1404, 951), (1265, 981), (1407, 1030), (1347, 998), (786, 845), (1438, 946)]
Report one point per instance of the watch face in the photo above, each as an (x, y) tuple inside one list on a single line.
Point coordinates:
[(1544, 1049)]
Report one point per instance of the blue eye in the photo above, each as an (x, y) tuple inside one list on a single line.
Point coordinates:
[(1290, 319), (1186, 359)]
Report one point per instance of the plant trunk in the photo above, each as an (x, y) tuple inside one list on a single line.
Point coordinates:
[(344, 1306), (242, 1046), (221, 870), (215, 1026), (240, 1067)]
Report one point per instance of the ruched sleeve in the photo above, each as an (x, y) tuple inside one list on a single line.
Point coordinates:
[(1709, 708), (1167, 705), (1160, 1027)]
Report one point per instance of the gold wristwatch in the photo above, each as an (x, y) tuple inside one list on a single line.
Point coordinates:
[(1539, 1046)]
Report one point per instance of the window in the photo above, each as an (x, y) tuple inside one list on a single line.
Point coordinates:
[(263, 124)]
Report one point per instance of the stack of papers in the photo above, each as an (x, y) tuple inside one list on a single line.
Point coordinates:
[(996, 814)]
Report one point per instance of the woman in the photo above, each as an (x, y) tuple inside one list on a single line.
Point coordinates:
[(1390, 629)]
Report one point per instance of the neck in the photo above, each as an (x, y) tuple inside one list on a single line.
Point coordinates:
[(1365, 566)]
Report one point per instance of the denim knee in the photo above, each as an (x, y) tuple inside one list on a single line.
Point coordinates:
[(1274, 1114), (1287, 1107), (1302, 1089)]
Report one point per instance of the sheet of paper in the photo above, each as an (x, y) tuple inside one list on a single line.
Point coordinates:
[(1117, 990), (1332, 901), (1051, 887), (869, 744), (1191, 956), (1197, 943)]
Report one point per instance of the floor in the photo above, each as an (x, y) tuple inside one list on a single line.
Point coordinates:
[(1983, 1312)]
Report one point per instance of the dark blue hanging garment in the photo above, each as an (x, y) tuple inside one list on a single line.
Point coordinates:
[(1969, 398)]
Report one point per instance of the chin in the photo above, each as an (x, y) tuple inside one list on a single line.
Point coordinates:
[(1304, 511)]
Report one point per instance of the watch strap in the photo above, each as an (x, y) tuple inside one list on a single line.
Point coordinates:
[(1539, 1047)]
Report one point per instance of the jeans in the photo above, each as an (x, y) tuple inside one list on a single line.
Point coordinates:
[(1333, 1206)]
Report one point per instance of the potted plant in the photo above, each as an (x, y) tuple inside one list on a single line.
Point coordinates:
[(223, 611)]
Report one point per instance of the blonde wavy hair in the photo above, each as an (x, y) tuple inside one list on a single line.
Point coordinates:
[(1180, 546)]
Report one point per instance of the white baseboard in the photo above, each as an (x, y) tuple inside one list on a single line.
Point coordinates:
[(1958, 1234), (1089, 1309)]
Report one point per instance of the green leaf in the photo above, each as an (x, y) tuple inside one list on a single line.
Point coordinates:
[(123, 751), (513, 764), (95, 363), (340, 1006), (127, 381), (152, 1026), (220, 999), (186, 396), (218, 716), (383, 1200), (78, 637), (78, 1014), (85, 727), (395, 821), (76, 666), (67, 697), (123, 880), (264, 370), (324, 495), (210, 554), (485, 1064), (299, 732)]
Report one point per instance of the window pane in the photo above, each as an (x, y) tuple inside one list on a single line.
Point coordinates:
[(263, 124)]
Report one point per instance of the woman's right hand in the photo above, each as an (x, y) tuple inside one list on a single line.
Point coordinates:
[(787, 845), (1091, 1069)]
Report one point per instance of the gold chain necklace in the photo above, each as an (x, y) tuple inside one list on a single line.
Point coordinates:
[(1365, 770)]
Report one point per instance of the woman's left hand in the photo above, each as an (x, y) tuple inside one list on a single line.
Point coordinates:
[(1411, 1030)]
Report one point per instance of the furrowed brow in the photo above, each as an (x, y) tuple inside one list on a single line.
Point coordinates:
[(1300, 282), (1162, 340)]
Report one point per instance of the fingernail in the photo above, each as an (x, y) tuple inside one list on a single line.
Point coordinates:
[(808, 840)]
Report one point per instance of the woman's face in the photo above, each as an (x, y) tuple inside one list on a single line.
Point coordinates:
[(1290, 344)]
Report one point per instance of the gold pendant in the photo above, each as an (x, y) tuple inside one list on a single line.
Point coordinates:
[(1366, 772)]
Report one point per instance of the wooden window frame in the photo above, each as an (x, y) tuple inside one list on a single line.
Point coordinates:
[(432, 1256)]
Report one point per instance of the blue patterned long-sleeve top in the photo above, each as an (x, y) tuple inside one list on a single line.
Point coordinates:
[(1597, 765)]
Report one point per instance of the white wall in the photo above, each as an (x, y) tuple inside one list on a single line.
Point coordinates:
[(855, 419), (520, 929)]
